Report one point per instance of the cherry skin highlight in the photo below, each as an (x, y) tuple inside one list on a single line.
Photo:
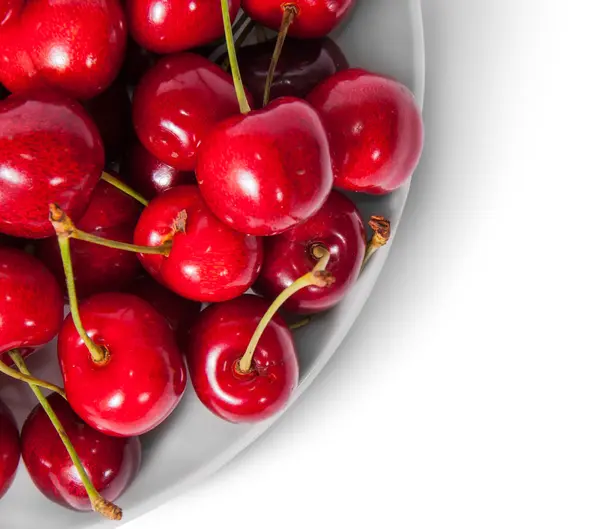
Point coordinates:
[(182, 24), (50, 152), (143, 379), (177, 103), (375, 130), (10, 451), (112, 463), (217, 343), (9, 10), (266, 171), (208, 261), (338, 227)]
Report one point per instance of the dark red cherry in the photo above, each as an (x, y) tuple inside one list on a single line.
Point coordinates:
[(9, 10), (143, 377), (217, 343), (303, 64), (375, 130), (113, 215), (148, 175), (31, 302), (266, 171), (10, 451), (50, 152), (208, 260), (177, 103), (112, 463), (338, 227), (169, 26), (314, 18), (17, 71)]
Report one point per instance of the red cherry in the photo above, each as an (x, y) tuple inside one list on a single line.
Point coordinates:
[(302, 65), (112, 463), (268, 170), (177, 103), (10, 451), (168, 26), (50, 151), (142, 378), (148, 175), (339, 228), (113, 215), (217, 343), (314, 18), (9, 10), (375, 130), (208, 261)]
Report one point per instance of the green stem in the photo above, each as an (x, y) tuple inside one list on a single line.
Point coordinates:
[(163, 249), (122, 186), (9, 371), (300, 323), (239, 42), (99, 504)]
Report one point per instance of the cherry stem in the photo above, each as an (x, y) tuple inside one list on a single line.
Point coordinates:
[(318, 276), (300, 323), (30, 380), (239, 41), (235, 69), (99, 504), (381, 235), (122, 186), (289, 13)]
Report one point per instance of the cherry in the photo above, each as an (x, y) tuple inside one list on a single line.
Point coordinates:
[(375, 130), (50, 151), (139, 378), (207, 261), (338, 227), (9, 9), (168, 26), (217, 343), (111, 462), (303, 64), (177, 103), (149, 175), (111, 214), (73, 45), (10, 451)]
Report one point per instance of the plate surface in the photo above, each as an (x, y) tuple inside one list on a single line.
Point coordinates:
[(382, 35)]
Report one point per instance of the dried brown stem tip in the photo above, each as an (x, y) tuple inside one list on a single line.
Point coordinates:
[(107, 509), (61, 222), (382, 230), (323, 278), (180, 222)]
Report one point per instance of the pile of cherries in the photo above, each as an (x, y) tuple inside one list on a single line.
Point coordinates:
[(138, 184)]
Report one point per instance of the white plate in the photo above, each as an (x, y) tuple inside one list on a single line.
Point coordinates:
[(381, 35)]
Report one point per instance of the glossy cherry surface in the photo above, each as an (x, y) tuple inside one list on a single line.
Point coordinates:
[(112, 463), (217, 343), (50, 151), (315, 18), (9, 10), (375, 130), (177, 103), (208, 260), (169, 26), (10, 451), (338, 227), (266, 171), (113, 215), (31, 301), (302, 66), (148, 175), (76, 46), (143, 379)]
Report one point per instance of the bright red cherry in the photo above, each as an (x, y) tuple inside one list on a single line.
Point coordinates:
[(112, 463), (50, 151), (217, 343), (268, 170), (169, 26), (208, 261), (177, 103), (303, 64), (375, 130), (9, 10), (338, 227), (113, 215), (148, 175), (313, 19), (10, 451), (142, 378), (17, 71)]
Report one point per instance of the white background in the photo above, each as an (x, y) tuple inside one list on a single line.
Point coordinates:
[(468, 395)]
